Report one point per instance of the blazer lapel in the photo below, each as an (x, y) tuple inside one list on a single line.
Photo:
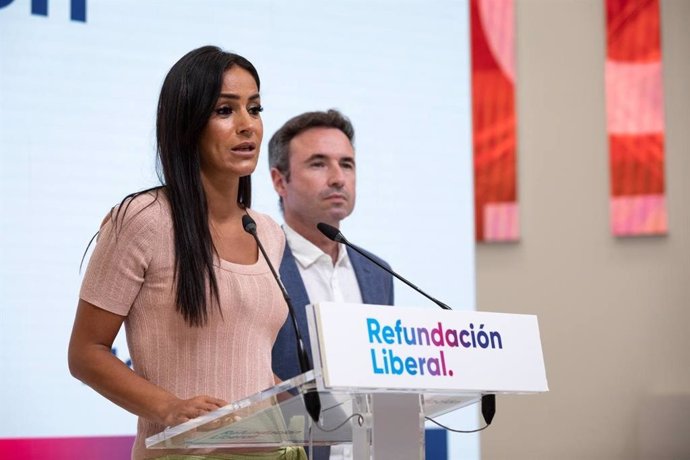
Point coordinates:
[(362, 268), (289, 274)]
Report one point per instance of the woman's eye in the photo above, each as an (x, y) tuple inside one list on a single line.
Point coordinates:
[(224, 111), (256, 110)]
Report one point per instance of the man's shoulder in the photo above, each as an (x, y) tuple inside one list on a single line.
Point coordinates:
[(375, 283), (357, 257)]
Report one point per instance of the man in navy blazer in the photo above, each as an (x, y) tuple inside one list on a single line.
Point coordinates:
[(376, 287), (312, 162)]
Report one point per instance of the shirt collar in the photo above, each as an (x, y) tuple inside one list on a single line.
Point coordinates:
[(307, 253)]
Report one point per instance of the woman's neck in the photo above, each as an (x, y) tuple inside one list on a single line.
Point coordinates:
[(221, 198)]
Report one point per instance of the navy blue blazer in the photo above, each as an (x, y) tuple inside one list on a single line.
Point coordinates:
[(375, 285)]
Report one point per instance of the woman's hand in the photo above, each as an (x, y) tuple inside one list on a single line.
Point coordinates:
[(181, 410)]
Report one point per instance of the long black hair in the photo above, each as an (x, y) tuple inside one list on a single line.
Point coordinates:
[(188, 96)]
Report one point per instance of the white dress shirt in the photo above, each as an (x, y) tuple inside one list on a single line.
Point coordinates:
[(325, 281)]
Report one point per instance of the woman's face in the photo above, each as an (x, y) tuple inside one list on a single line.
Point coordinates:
[(230, 141)]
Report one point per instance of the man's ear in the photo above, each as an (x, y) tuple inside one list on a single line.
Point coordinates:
[(279, 182)]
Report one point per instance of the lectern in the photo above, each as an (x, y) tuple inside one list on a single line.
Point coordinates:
[(380, 371)]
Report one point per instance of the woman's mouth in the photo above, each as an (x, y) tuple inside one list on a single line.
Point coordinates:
[(245, 148)]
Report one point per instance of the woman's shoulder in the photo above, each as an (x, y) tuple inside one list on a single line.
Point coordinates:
[(270, 234), (147, 209), (264, 221), (267, 228)]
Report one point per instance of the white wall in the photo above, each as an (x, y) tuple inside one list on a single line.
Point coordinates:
[(77, 106)]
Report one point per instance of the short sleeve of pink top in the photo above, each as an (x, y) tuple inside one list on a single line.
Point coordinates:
[(131, 274)]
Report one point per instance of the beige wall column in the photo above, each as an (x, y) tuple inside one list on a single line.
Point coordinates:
[(614, 313)]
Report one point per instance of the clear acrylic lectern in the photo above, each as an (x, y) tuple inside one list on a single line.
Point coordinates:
[(377, 385), (277, 418)]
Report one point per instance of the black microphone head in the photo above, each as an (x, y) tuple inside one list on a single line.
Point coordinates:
[(331, 232), (248, 224), (488, 408)]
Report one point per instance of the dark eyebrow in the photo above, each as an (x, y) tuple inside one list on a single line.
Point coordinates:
[(236, 97), (321, 156), (316, 156)]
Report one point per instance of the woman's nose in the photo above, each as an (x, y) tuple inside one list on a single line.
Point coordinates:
[(245, 123)]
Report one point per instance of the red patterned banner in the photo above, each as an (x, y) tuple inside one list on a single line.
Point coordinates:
[(493, 120), (635, 117)]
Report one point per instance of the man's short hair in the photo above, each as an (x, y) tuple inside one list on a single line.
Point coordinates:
[(279, 145)]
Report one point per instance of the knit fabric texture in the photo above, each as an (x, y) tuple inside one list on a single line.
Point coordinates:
[(131, 273)]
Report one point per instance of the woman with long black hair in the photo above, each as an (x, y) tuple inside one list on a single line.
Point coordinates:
[(174, 264)]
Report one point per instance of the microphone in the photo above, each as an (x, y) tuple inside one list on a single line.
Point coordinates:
[(311, 398), (488, 402), (488, 408), (334, 234)]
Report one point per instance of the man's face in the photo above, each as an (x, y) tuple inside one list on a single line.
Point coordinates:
[(321, 183)]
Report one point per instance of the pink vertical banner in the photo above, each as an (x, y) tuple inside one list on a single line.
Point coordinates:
[(101, 448), (635, 117), (493, 120)]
